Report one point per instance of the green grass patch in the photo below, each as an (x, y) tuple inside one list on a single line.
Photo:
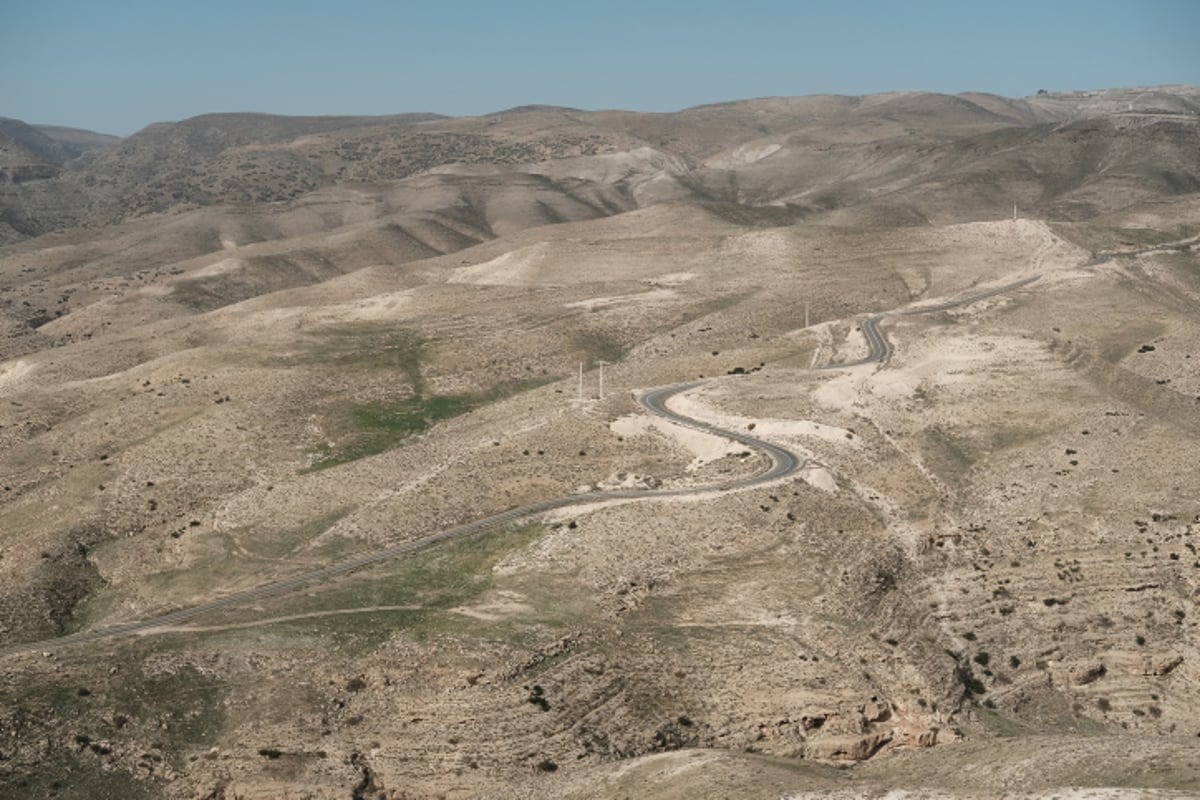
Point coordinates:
[(283, 543), (77, 718), (373, 428), (71, 775), (441, 577), (369, 429), (189, 701), (355, 634), (214, 568), (427, 584), (365, 346)]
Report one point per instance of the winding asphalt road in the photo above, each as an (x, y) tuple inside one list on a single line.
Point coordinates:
[(783, 464), (878, 348)]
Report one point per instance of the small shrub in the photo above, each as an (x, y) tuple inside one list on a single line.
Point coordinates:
[(982, 658), (537, 697)]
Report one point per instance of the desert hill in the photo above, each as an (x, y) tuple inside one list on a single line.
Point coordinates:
[(24, 145), (28, 151), (815, 155), (241, 348), (78, 141)]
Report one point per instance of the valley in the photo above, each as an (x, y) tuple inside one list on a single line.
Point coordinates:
[(302, 494)]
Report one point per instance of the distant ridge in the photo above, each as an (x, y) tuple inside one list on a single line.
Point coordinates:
[(904, 157)]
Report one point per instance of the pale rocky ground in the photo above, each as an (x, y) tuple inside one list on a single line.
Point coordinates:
[(983, 584)]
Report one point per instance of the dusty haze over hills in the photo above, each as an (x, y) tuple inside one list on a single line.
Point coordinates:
[(240, 348)]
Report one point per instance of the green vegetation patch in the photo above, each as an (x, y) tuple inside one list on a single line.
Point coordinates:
[(187, 701), (72, 775), (365, 346), (281, 543), (74, 732), (372, 428), (411, 593), (368, 429), (359, 430)]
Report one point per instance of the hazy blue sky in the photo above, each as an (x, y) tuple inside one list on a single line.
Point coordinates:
[(116, 66)]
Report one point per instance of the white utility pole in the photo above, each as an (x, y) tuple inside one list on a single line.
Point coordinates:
[(580, 380), (806, 315), (602, 363), (1014, 212)]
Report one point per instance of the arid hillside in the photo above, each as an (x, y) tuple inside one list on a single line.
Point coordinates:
[(920, 513), (901, 158)]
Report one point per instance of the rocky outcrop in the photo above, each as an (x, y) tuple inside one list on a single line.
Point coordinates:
[(847, 748)]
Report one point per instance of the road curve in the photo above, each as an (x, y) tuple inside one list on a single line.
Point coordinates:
[(878, 348), (783, 464)]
